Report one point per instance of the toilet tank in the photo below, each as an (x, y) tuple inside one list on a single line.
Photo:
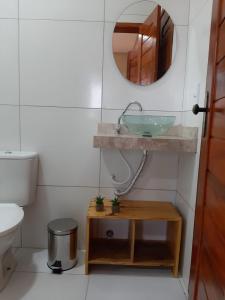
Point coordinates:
[(18, 177)]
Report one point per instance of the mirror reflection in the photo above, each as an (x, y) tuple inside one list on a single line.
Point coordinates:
[(143, 42)]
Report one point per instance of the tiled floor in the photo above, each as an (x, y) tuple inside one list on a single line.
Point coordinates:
[(34, 281)]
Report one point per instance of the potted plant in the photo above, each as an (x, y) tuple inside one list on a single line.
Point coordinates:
[(115, 205), (99, 203)]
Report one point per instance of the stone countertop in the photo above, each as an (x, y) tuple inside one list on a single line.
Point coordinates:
[(178, 139)]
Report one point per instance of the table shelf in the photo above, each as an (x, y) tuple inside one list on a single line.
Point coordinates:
[(133, 251)]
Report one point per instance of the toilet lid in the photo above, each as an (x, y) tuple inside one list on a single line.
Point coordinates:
[(11, 215)]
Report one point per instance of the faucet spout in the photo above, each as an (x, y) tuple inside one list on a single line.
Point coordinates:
[(123, 113)]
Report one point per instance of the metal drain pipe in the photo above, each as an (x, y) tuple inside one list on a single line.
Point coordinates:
[(119, 193)]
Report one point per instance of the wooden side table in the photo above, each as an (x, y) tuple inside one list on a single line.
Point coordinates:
[(134, 250)]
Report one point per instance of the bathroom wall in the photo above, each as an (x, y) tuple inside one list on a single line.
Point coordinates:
[(58, 79), (195, 90)]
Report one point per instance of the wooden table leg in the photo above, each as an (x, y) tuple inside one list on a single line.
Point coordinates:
[(87, 246)]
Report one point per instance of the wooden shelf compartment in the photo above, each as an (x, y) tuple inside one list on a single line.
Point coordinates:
[(116, 250), (110, 251), (153, 253)]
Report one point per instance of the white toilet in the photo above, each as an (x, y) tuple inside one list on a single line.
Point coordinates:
[(18, 180)]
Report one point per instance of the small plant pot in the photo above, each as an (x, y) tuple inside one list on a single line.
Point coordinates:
[(99, 207), (115, 209)]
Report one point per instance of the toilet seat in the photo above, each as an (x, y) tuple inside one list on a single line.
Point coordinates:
[(11, 215)]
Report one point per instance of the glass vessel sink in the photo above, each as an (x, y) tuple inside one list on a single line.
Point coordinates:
[(147, 125)]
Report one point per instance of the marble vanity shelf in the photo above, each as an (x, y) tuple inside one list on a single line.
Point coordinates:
[(178, 138)]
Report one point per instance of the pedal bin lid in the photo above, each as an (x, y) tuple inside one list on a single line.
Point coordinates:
[(62, 226)]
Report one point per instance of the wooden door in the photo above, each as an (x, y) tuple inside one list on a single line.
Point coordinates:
[(208, 259), (150, 31)]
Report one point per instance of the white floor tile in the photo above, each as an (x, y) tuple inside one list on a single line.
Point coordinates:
[(40, 286), (112, 287), (35, 261), (33, 281)]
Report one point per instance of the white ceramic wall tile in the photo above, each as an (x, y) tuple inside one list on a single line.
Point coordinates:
[(160, 171), (63, 138), (9, 127), (53, 203), (89, 10), (165, 95), (61, 63), (133, 288), (188, 225), (188, 177), (178, 9), (197, 58), (196, 7), (8, 8), (45, 286), (9, 83)]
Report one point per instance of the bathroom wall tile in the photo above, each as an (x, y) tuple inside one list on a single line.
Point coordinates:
[(188, 225), (53, 203), (197, 58), (90, 10), (196, 8), (141, 194), (9, 128), (8, 8), (9, 87), (189, 119), (165, 95), (63, 139), (178, 9), (188, 177), (60, 65), (160, 171)]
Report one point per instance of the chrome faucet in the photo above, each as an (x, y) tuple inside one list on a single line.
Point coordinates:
[(118, 128)]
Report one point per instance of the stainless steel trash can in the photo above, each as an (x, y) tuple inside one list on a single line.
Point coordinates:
[(62, 244)]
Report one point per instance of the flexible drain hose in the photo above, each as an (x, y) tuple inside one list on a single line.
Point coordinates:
[(136, 176), (129, 172)]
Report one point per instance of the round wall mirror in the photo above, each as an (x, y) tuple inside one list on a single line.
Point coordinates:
[(144, 42)]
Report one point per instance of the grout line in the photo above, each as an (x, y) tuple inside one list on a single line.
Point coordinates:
[(91, 108), (9, 18), (101, 187), (67, 186), (181, 284), (49, 273), (185, 201), (103, 58), (86, 294), (19, 81), (61, 20), (55, 106)]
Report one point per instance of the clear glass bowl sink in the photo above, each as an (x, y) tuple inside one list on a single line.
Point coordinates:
[(147, 125)]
